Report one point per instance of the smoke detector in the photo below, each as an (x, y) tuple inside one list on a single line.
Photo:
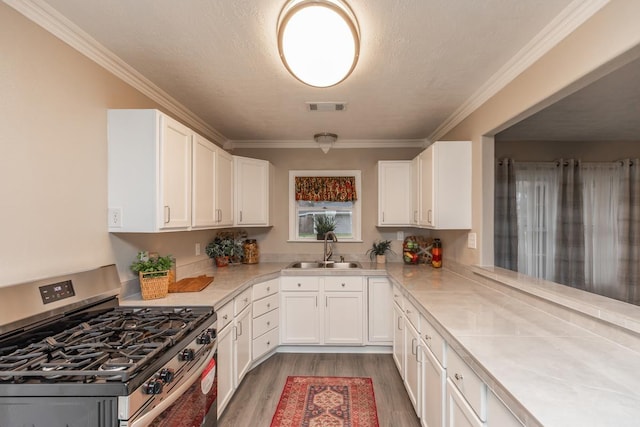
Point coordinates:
[(326, 106)]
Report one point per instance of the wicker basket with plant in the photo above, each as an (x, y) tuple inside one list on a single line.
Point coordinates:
[(155, 274)]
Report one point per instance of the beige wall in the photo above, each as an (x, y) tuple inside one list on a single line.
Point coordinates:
[(274, 240), (610, 39)]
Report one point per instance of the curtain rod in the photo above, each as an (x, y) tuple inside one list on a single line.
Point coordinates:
[(557, 163)]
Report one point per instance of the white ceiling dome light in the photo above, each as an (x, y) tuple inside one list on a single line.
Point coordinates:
[(318, 41), (325, 140)]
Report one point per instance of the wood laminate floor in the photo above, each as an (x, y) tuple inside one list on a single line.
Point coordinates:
[(255, 401)]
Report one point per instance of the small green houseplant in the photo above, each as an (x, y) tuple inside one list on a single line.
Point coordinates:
[(324, 224), (155, 274), (379, 250), (224, 249)]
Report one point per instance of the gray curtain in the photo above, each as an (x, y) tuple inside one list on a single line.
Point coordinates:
[(505, 219), (570, 252), (629, 229)]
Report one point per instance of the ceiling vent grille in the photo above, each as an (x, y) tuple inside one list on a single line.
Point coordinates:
[(326, 106)]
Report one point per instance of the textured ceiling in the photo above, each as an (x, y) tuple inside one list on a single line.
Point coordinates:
[(420, 61)]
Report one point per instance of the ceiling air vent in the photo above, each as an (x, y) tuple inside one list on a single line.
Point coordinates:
[(327, 106)]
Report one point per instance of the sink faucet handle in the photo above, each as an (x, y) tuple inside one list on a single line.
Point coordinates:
[(341, 258)]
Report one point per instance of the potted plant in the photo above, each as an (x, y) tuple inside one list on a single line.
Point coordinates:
[(155, 274), (224, 249), (323, 224), (379, 250)]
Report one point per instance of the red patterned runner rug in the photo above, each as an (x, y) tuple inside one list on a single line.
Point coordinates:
[(326, 402)]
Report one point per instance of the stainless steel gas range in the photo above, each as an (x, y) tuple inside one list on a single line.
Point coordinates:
[(70, 356)]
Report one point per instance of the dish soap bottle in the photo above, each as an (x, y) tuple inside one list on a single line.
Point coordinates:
[(436, 254)]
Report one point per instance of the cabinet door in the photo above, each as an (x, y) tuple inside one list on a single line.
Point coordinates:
[(343, 318), (251, 191), (175, 174), (452, 185), (426, 213), (432, 398), (242, 344), (398, 339), (203, 212), (225, 366), (416, 187), (498, 415), (380, 307), (459, 413), (300, 318), (224, 188), (394, 193), (412, 367)]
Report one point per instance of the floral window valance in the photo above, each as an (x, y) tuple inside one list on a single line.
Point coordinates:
[(326, 188)]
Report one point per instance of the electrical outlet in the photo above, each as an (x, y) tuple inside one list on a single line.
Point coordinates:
[(472, 240), (197, 249), (400, 235), (115, 217)]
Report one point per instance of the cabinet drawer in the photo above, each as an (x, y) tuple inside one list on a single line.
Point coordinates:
[(412, 314), (265, 323), (398, 298), (264, 305), (264, 289), (433, 340), (468, 383), (344, 283), (242, 301), (225, 315), (265, 343), (299, 283)]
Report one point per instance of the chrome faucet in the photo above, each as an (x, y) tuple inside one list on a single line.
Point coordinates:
[(327, 255)]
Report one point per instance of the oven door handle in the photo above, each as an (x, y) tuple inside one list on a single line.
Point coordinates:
[(175, 393)]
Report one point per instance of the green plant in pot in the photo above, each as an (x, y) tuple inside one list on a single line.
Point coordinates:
[(324, 224), (224, 249), (149, 263), (379, 251)]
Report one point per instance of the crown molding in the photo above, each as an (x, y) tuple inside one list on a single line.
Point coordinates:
[(343, 143), (51, 20), (571, 17)]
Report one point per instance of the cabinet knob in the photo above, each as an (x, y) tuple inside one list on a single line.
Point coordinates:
[(408, 311), (458, 376), (268, 323), (427, 337), (343, 285), (299, 284), (225, 317), (268, 343), (268, 305), (268, 288)]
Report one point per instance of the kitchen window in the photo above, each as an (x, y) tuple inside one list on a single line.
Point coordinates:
[(344, 208)]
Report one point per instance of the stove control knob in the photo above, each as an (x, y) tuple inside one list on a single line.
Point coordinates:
[(154, 386), (166, 375), (204, 339), (186, 355)]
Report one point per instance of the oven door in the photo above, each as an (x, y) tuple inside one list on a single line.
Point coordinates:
[(193, 404)]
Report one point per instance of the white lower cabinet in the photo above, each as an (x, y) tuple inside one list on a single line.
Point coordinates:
[(322, 310), (398, 338), (459, 412), (380, 308), (266, 317), (412, 365), (498, 415), (433, 388), (234, 346)]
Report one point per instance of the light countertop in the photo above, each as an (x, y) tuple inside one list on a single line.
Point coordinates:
[(563, 374)]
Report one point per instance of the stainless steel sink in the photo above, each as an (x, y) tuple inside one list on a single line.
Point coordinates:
[(329, 264)]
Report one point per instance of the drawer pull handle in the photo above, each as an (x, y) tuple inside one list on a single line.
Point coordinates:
[(427, 337), (408, 311), (225, 317), (458, 377)]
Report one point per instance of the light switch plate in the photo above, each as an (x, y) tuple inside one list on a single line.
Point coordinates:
[(472, 241)]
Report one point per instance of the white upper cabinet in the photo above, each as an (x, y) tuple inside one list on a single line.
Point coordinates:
[(394, 193), (149, 170), (165, 177), (224, 188), (444, 180), (204, 210), (253, 179)]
